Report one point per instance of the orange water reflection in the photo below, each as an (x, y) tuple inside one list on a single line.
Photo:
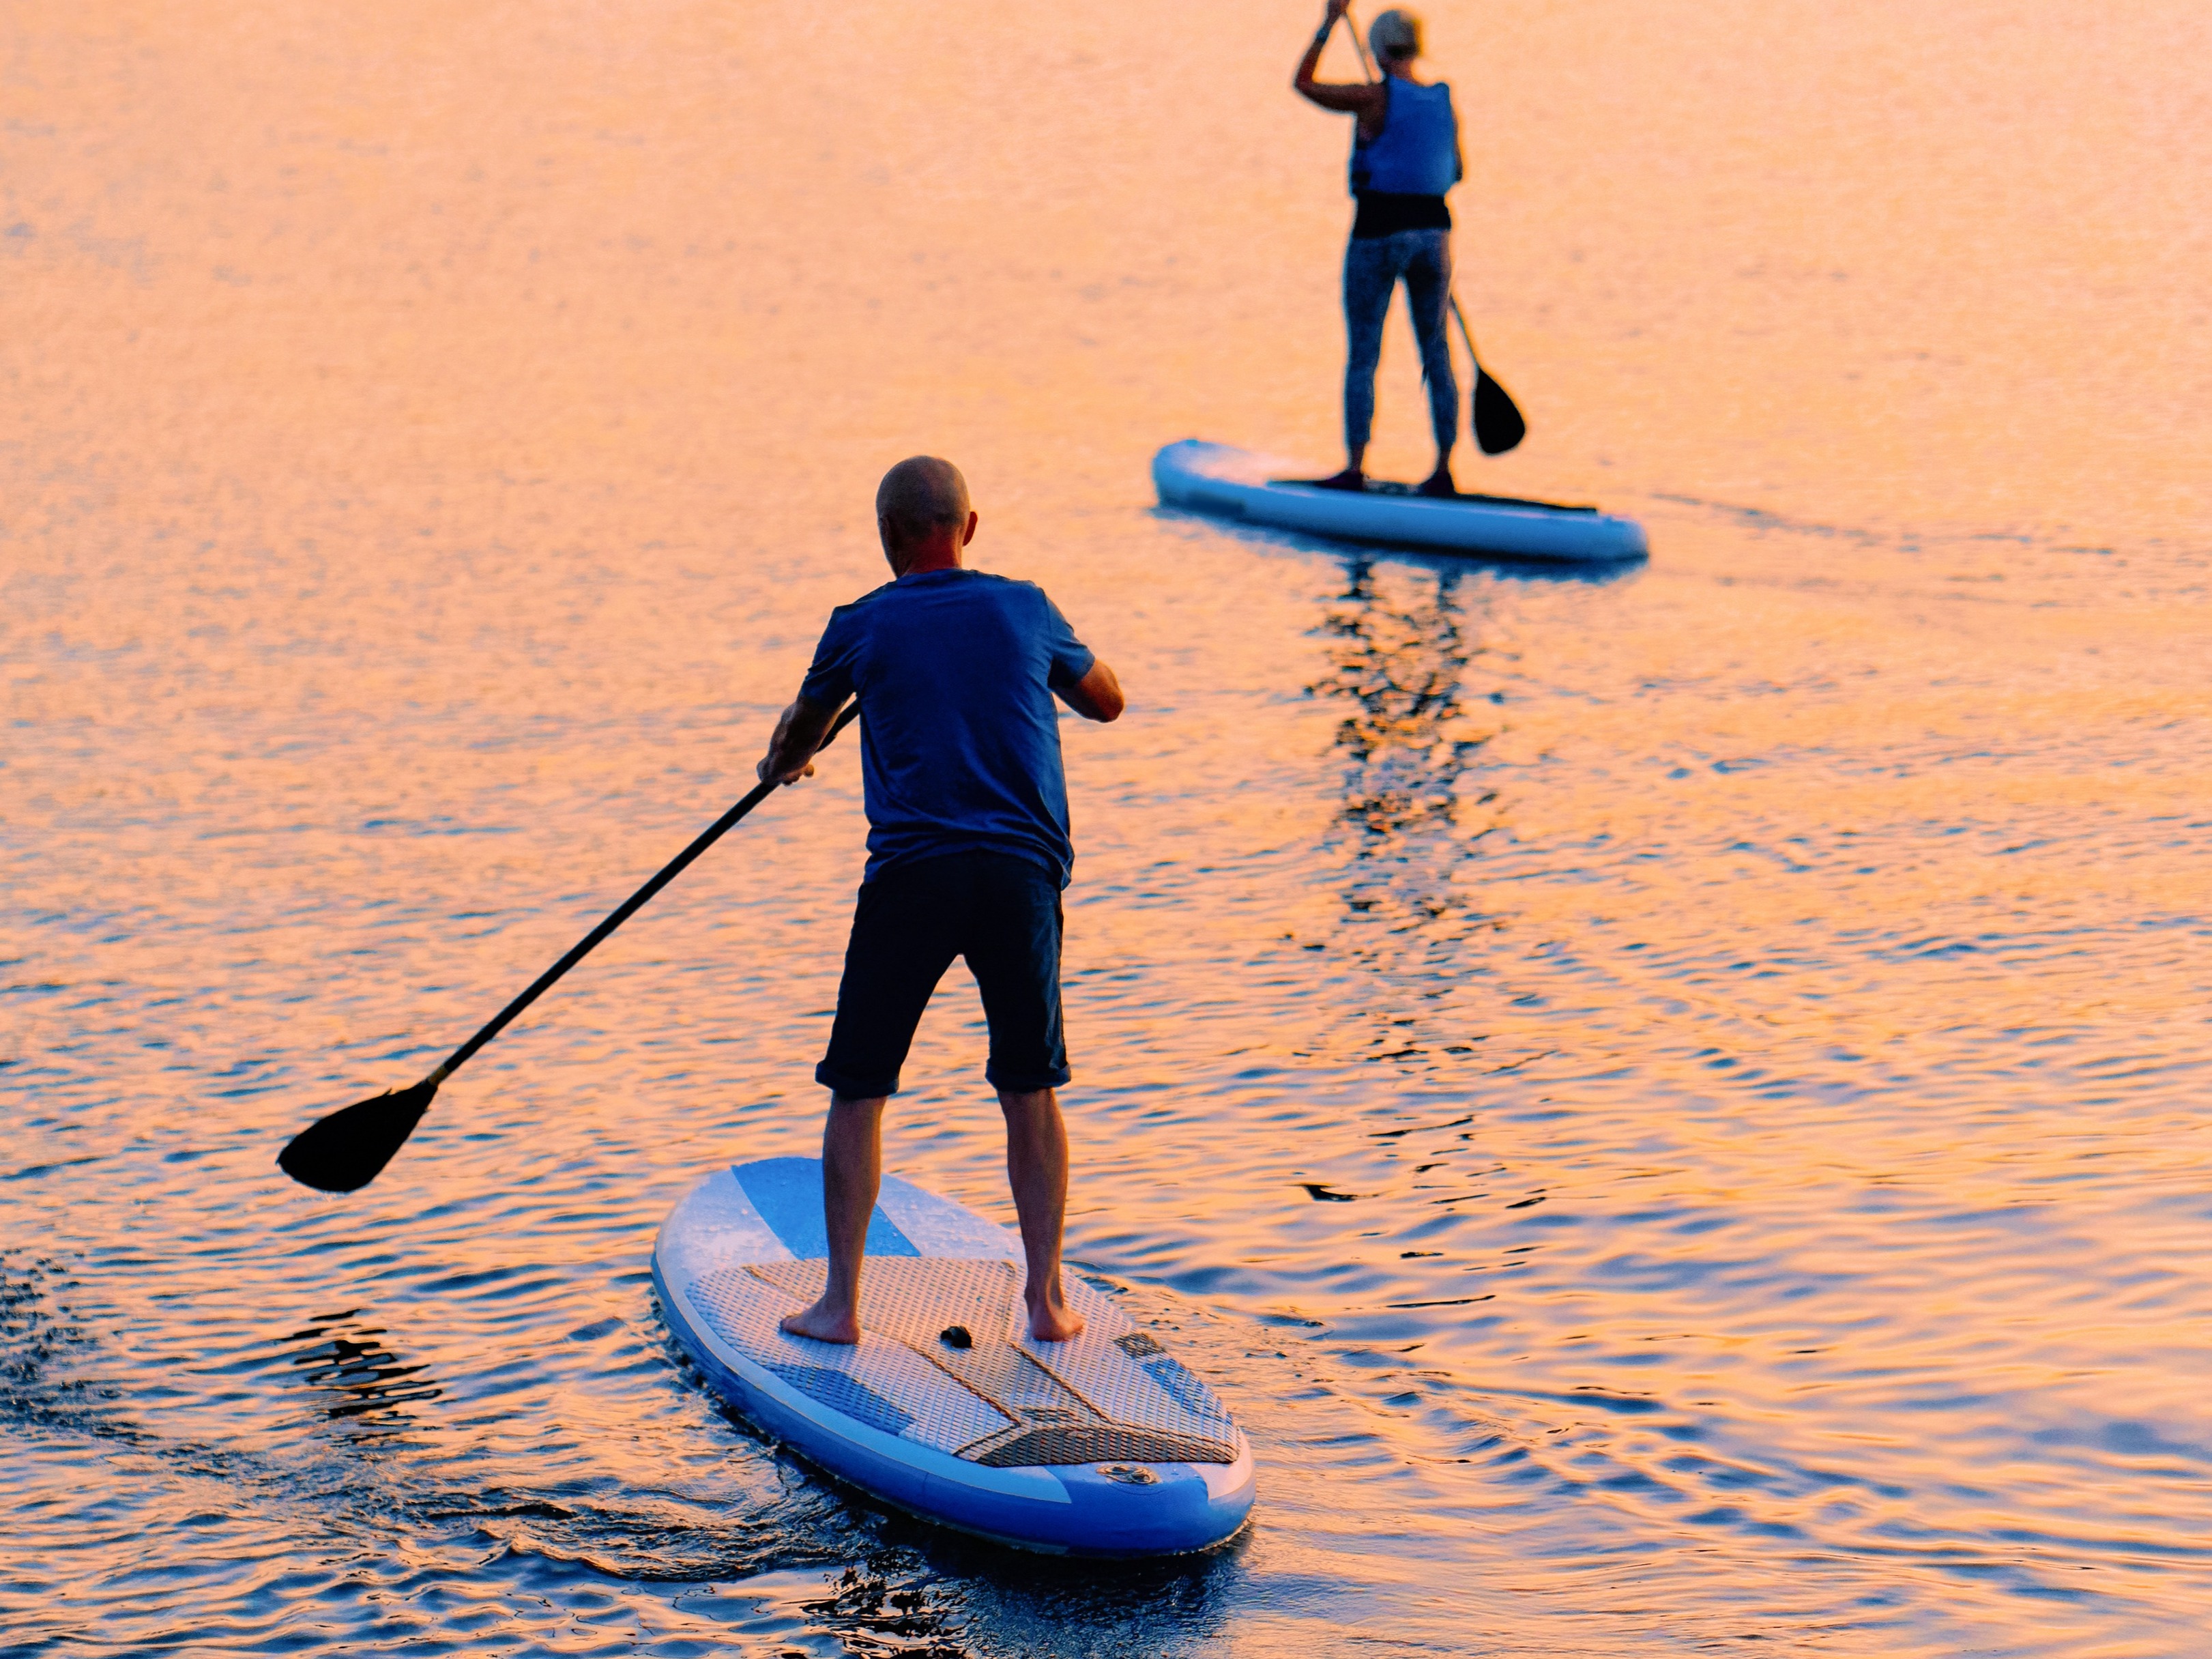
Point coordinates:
[(1749, 1010)]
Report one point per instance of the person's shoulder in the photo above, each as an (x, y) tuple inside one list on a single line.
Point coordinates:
[(871, 597), (1018, 583), (1004, 591), (854, 613)]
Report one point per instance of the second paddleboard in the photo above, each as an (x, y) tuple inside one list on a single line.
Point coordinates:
[(1232, 483)]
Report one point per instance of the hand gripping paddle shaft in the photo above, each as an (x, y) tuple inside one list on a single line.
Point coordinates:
[(345, 1151), (1498, 422)]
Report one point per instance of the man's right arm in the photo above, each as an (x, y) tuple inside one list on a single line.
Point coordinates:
[(1096, 695), (799, 733)]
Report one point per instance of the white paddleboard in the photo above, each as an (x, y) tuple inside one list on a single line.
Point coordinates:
[(947, 1407), (1219, 478)]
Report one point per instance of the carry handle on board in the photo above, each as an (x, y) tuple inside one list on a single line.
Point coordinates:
[(1499, 425), (345, 1151)]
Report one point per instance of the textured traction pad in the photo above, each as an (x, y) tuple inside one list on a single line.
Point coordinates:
[(1007, 1402)]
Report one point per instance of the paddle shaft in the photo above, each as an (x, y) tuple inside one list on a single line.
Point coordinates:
[(1367, 68), (628, 908)]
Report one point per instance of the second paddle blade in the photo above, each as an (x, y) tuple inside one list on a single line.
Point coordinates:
[(344, 1153), (1498, 422)]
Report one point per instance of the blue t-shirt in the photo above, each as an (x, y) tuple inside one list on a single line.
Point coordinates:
[(959, 735)]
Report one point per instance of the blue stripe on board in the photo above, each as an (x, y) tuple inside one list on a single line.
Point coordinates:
[(844, 1394), (1187, 1392), (787, 1193)]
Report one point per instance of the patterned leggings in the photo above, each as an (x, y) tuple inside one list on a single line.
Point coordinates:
[(1373, 266)]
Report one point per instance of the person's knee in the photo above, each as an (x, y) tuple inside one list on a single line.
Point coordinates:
[(1027, 1103)]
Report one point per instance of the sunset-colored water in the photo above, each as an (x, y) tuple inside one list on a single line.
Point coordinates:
[(1671, 1103)]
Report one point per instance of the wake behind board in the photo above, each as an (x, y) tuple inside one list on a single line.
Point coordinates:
[(1219, 478), (947, 1407)]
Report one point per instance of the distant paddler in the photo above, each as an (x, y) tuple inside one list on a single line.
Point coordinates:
[(1405, 155)]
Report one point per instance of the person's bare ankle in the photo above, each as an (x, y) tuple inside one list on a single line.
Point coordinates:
[(1054, 1322), (822, 1324)]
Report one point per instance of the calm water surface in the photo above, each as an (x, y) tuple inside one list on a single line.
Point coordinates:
[(1670, 1102)]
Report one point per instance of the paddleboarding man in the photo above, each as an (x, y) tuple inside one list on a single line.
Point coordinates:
[(967, 852), (1405, 155)]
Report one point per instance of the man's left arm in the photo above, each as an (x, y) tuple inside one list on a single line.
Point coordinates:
[(1076, 676), (1096, 695)]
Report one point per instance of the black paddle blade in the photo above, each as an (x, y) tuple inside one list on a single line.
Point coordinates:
[(345, 1151), (1498, 422)]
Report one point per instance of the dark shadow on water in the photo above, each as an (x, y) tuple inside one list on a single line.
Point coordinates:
[(878, 1606), (1007, 1600), (353, 1374)]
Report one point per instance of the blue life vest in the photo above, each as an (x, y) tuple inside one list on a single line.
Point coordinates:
[(1417, 152)]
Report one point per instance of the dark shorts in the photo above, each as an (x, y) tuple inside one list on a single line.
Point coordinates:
[(1001, 912)]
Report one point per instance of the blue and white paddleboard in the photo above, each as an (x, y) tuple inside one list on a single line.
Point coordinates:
[(1219, 478), (947, 1407)]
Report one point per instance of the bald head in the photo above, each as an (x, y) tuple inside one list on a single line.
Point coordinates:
[(920, 499)]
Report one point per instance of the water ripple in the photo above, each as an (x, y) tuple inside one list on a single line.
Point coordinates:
[(1668, 1099)]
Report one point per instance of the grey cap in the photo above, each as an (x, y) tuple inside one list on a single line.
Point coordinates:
[(1395, 34)]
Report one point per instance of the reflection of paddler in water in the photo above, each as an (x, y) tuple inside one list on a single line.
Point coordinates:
[(1400, 662), (1405, 155)]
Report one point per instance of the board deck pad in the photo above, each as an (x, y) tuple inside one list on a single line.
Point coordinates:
[(1006, 1400), (747, 1246)]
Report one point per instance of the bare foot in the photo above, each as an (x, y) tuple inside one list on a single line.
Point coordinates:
[(1054, 1322), (1439, 483), (824, 1323), (1351, 478)]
